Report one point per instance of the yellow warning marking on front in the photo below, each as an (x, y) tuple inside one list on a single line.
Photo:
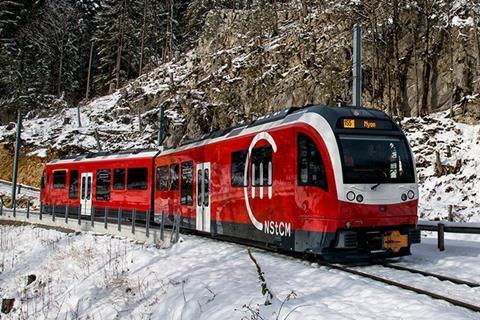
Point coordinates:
[(395, 241)]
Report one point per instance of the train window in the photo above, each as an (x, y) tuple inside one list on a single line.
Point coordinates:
[(83, 188), (103, 184), (199, 188), (119, 179), (262, 166), (311, 170), (206, 188), (174, 176), (137, 179), (73, 187), (89, 187), (376, 159), (42, 180), (162, 178), (238, 168), (59, 179), (186, 193)]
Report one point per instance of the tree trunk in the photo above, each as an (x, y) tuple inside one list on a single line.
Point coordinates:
[(427, 68), (120, 45), (477, 48), (143, 37), (59, 85), (415, 61), (450, 56)]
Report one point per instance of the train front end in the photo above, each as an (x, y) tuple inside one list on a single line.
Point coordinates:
[(376, 186)]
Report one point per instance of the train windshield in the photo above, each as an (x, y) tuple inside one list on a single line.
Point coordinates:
[(375, 159)]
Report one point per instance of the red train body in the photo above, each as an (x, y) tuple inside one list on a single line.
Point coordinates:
[(321, 180)]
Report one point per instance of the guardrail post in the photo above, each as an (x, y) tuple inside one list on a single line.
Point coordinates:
[(53, 212), (119, 219), (79, 216), (450, 213), (162, 227), (441, 237), (41, 211), (105, 221), (92, 217), (147, 224), (177, 231), (176, 228), (28, 209), (134, 216), (67, 211)]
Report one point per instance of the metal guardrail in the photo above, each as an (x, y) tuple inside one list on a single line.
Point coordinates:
[(448, 226), (453, 227), (19, 185), (132, 229)]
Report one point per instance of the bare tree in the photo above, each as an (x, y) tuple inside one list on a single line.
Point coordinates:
[(53, 33)]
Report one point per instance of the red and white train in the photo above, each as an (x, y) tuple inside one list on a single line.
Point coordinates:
[(338, 182)]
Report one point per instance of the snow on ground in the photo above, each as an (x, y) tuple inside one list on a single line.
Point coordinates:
[(100, 277)]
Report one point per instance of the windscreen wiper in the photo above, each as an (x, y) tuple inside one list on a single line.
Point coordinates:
[(375, 186)]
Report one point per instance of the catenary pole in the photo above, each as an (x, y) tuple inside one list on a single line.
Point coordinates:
[(15, 164), (161, 126), (357, 66)]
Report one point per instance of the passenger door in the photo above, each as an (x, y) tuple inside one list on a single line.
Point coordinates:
[(203, 197), (86, 194)]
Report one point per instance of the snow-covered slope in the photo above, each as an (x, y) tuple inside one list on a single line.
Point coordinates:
[(83, 276), (458, 145), (453, 140)]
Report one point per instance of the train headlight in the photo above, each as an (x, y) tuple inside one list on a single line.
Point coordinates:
[(359, 198), (410, 194), (351, 196), (404, 197)]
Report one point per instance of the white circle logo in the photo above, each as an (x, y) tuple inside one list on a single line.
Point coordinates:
[(260, 136)]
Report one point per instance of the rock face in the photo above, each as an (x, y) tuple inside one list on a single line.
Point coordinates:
[(250, 62)]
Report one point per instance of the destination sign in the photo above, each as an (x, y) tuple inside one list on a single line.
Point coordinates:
[(370, 124)]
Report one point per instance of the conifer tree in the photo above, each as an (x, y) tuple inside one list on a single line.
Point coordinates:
[(117, 39)]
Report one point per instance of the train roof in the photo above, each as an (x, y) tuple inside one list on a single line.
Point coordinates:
[(108, 155), (331, 114)]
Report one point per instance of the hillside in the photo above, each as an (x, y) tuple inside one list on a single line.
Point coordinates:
[(246, 62)]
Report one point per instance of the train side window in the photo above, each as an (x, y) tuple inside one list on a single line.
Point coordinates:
[(237, 169), (311, 170), (89, 187), (83, 188), (59, 179), (206, 188), (186, 192), (162, 178), (262, 166), (174, 168), (73, 187), (42, 180), (199, 187), (119, 179), (137, 179), (103, 184)]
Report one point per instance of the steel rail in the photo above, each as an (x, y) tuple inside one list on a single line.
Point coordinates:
[(433, 295), (429, 274)]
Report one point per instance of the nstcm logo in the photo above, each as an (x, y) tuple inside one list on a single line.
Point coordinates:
[(269, 227)]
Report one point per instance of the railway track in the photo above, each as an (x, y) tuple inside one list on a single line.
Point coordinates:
[(408, 287)]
